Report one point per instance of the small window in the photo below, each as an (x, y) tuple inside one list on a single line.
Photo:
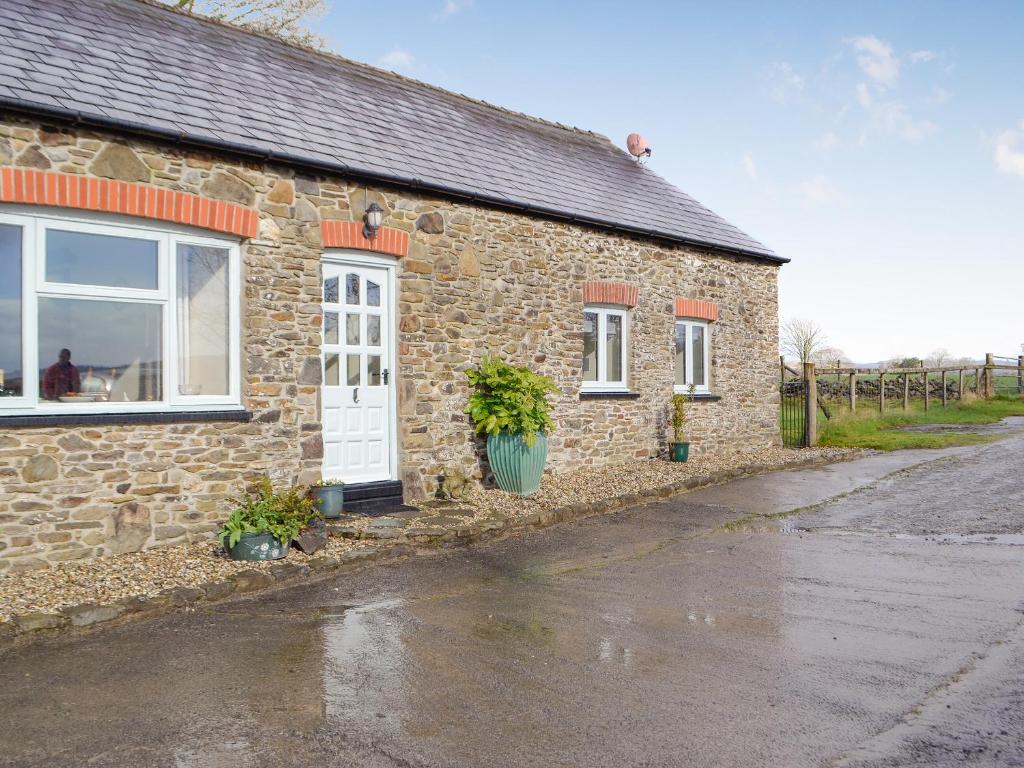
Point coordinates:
[(692, 355), (605, 349)]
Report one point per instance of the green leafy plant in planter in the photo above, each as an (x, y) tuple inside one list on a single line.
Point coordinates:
[(328, 497), (680, 448), (264, 522), (510, 405)]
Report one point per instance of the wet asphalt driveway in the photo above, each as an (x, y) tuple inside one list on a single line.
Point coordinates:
[(881, 628)]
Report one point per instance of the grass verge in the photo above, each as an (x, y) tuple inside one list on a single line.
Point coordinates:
[(867, 428)]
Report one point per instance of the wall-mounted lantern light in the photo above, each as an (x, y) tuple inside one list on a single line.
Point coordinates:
[(372, 220)]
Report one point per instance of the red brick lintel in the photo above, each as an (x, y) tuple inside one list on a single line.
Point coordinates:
[(349, 234), (697, 309), (611, 293)]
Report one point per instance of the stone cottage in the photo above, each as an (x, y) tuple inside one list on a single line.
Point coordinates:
[(222, 256)]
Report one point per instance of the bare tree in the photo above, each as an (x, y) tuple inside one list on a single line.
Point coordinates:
[(801, 339), (287, 19), (829, 357), (937, 358)]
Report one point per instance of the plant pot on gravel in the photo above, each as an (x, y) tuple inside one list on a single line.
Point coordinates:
[(328, 498), (509, 404), (680, 448), (264, 523)]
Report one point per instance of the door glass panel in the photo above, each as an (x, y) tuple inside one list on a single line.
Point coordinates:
[(331, 290), (112, 349), (680, 353), (83, 258), (372, 294), (589, 346), (698, 355), (373, 370), (351, 329), (352, 363), (351, 288), (613, 362), (204, 325), (330, 327), (332, 370), (10, 311), (373, 330)]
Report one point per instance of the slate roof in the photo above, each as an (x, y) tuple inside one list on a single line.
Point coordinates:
[(133, 65)]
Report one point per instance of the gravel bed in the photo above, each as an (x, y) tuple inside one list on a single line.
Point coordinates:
[(136, 574), (590, 484), (105, 581)]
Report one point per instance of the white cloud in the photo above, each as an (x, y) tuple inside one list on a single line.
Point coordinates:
[(876, 59), (782, 83), (919, 57), (818, 190), (451, 7), (1009, 155), (826, 142), (864, 95), (940, 95), (749, 166), (397, 60), (894, 118)]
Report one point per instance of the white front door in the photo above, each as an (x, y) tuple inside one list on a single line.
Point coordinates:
[(357, 427)]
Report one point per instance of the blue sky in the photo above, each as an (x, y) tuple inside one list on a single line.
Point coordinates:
[(878, 145)]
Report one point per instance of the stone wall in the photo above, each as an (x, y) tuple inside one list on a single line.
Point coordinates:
[(475, 281)]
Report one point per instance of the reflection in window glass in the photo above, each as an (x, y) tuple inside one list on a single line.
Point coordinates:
[(373, 330), (589, 346), (351, 329), (373, 370), (372, 294), (697, 346), (10, 311), (119, 343), (352, 363), (332, 370), (84, 258), (680, 354), (351, 288), (204, 324), (614, 337), (331, 290), (330, 327)]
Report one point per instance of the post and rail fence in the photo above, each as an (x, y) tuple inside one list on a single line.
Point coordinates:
[(806, 390)]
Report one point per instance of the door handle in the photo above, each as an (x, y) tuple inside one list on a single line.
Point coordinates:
[(355, 395), (384, 375)]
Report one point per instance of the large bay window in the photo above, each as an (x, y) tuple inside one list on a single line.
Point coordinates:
[(693, 357), (605, 349), (102, 318)]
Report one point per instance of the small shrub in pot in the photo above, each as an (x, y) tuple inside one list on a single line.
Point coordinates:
[(264, 522), (328, 497)]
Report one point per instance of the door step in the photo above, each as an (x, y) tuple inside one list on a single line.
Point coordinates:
[(377, 499)]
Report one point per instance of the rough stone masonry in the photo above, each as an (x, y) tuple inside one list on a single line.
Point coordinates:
[(475, 281)]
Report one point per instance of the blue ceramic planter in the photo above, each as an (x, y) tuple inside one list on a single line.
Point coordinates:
[(517, 467), (680, 451), (258, 546), (328, 500)]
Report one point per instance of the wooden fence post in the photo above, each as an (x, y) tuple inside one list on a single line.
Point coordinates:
[(811, 406), (961, 398), (782, 369), (990, 382), (853, 393), (881, 392), (906, 391), (977, 381), (1020, 375), (943, 388), (927, 393)]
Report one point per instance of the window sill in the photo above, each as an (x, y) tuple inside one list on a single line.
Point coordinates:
[(706, 396), (142, 417), (608, 395)]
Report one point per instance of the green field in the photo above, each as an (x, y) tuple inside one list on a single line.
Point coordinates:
[(869, 429)]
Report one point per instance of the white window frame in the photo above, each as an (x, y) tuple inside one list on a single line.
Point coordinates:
[(690, 324), (34, 226), (603, 311)]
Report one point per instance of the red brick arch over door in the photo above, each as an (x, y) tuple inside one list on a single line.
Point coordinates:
[(28, 186), (349, 234)]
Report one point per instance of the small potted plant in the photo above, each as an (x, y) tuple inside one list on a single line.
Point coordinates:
[(328, 497), (264, 523), (510, 406), (680, 448)]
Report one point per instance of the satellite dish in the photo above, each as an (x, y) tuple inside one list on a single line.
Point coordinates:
[(637, 146)]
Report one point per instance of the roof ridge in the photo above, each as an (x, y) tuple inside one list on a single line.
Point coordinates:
[(371, 69)]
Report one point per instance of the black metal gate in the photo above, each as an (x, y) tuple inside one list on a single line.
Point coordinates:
[(793, 412)]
